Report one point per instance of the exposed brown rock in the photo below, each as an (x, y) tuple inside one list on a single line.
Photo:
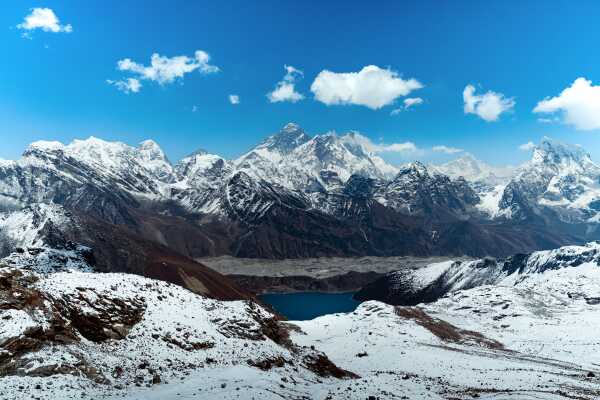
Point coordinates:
[(322, 366), (268, 363), (444, 330)]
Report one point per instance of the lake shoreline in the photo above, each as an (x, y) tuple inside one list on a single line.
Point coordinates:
[(309, 305)]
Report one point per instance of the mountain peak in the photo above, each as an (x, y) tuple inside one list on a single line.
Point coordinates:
[(291, 127), (46, 145), (286, 140), (197, 152), (414, 167), (553, 151), (148, 144)]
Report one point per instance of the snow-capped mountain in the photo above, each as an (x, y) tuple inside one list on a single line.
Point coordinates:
[(292, 159), (416, 190), (205, 204), (561, 181), (201, 169), (488, 181), (102, 178), (475, 170)]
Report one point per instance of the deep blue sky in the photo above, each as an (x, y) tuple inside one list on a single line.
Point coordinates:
[(53, 86)]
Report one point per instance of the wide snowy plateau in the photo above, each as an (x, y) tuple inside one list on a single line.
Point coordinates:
[(297, 196), (518, 329)]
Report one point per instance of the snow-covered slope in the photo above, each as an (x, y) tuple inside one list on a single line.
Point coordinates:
[(489, 343), (116, 335), (413, 286), (561, 179), (98, 177), (27, 227), (292, 159), (90, 335)]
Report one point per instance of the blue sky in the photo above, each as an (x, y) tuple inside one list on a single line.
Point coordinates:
[(53, 85)]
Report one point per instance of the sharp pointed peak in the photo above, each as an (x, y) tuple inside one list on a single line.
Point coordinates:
[(291, 127), (148, 143)]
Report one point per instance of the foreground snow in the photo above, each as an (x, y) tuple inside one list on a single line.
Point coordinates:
[(531, 336), (115, 335)]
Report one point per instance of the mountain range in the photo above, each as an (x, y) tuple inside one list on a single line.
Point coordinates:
[(103, 295), (294, 195)]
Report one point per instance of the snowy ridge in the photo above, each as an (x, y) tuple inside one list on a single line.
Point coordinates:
[(560, 178), (409, 287), (417, 190), (123, 334), (293, 160)]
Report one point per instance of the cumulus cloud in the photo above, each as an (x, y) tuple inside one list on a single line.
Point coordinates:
[(285, 89), (446, 149), (408, 103), (234, 99), (487, 106), (129, 85), (579, 105), (44, 19), (371, 147), (372, 87), (164, 70), (527, 146)]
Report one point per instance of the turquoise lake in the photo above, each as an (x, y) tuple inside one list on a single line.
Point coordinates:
[(303, 306)]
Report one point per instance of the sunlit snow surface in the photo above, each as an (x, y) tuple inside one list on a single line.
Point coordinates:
[(542, 323)]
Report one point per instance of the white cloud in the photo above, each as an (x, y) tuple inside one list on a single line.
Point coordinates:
[(368, 145), (285, 90), (527, 146), (165, 70), (579, 105), (406, 147), (412, 101), (446, 149), (234, 99), (44, 19), (487, 106), (408, 102), (371, 87), (129, 85)]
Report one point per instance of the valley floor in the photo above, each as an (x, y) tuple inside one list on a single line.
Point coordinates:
[(325, 274)]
